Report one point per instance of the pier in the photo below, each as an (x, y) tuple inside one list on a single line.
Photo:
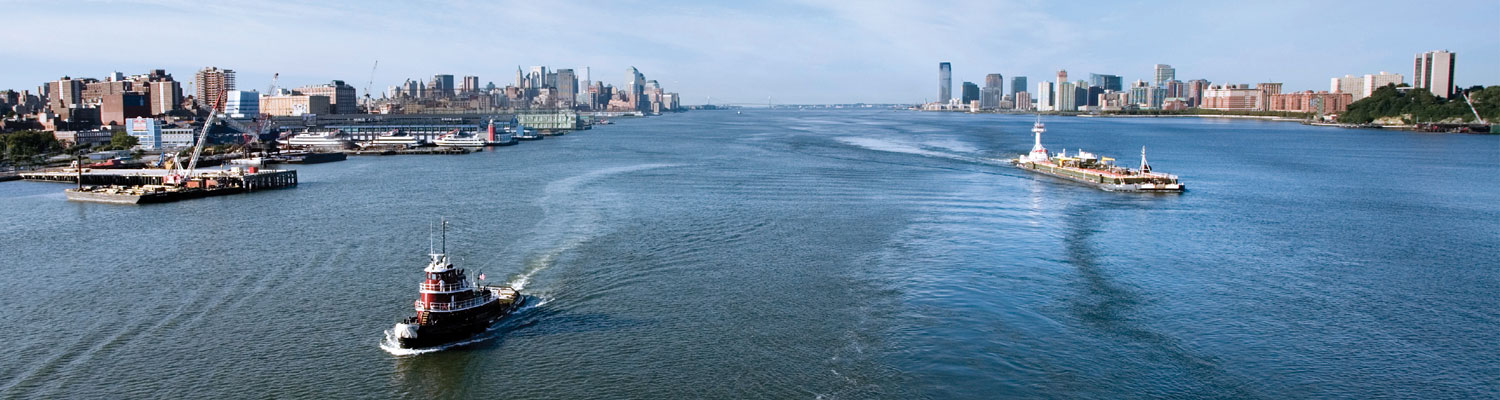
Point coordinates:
[(250, 181)]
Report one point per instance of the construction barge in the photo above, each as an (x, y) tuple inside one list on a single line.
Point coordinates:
[(1097, 171), (157, 186)]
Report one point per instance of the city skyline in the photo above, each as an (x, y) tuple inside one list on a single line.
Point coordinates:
[(796, 52)]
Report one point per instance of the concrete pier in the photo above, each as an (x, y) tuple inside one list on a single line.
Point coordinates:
[(260, 180)]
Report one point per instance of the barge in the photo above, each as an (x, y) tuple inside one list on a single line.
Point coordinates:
[(1094, 170)]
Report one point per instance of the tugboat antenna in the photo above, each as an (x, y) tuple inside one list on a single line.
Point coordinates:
[(445, 236)]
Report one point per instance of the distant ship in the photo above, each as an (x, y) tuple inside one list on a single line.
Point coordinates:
[(451, 309), (1091, 169)]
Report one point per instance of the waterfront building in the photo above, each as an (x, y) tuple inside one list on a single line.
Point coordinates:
[(1310, 102), (970, 92), (1195, 90), (1044, 96), (1164, 73), (945, 82), (242, 104), (1434, 72), (1175, 88), (1238, 97), (1362, 86), (1065, 99), (342, 98), (1023, 100), (1017, 86), (1106, 82), (210, 83), (146, 132), (1138, 93), (63, 94), (1351, 84), (295, 105), (1376, 81)]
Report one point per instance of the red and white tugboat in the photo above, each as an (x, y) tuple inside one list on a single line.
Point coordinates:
[(451, 309)]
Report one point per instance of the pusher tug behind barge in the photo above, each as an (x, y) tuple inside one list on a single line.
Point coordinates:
[(1091, 169), (450, 308)]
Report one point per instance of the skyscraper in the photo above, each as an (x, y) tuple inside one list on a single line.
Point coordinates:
[(567, 88), (945, 82), (1164, 73), (1017, 85), (1062, 76), (470, 84), (212, 82), (970, 93), (994, 89), (1044, 96), (442, 85), (1066, 97), (1106, 82), (1434, 72), (1195, 90)]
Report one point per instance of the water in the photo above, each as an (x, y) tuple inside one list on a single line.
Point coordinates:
[(794, 254)]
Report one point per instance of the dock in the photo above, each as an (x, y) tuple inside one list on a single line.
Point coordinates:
[(418, 150), (250, 181)]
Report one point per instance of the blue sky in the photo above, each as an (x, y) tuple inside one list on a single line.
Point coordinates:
[(795, 51)]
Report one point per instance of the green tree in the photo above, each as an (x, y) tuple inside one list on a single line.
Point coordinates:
[(122, 141), (28, 145)]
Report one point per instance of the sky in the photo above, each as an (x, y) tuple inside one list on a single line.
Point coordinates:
[(747, 52)]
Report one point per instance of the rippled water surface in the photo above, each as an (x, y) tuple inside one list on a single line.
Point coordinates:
[(794, 254)]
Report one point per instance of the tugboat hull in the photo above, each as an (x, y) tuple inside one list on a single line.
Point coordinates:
[(453, 329)]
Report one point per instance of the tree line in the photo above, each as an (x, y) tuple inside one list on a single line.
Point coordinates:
[(1420, 105)]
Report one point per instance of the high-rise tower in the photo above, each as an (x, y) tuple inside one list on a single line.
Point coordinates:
[(1434, 72), (945, 82)]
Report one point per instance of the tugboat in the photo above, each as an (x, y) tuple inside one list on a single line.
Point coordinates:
[(450, 309), (1094, 170)]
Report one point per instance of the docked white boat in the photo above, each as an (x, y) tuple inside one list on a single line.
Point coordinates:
[(394, 139), (251, 161), (455, 140), (334, 139)]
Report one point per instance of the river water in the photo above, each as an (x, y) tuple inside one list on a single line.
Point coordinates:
[(794, 254)]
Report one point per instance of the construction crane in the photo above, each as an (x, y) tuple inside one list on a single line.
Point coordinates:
[(271, 91), (179, 176), (369, 100)]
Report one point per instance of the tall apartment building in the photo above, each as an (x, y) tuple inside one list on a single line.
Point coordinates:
[(1164, 73), (945, 82), (166, 96), (210, 83), (1360, 87), (1023, 100), (1434, 72), (1195, 90), (1376, 81)]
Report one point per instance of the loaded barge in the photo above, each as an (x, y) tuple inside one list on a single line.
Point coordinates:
[(1098, 171)]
